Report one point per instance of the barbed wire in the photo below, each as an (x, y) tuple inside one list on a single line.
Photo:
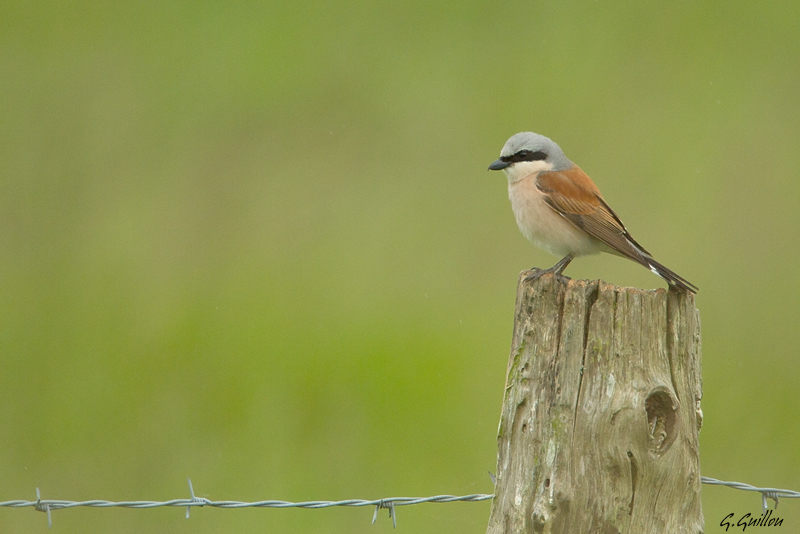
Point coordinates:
[(48, 505), (766, 493)]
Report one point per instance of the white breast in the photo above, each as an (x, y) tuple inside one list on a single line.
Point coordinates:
[(542, 225)]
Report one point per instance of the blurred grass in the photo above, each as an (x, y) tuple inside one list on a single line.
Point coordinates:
[(256, 244)]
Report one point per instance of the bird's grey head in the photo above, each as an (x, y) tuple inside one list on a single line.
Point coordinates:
[(529, 146)]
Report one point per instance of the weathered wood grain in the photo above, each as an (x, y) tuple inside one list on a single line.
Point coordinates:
[(601, 415)]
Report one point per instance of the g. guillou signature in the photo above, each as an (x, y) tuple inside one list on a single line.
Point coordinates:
[(747, 520)]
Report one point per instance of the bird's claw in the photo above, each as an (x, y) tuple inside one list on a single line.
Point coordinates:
[(535, 273)]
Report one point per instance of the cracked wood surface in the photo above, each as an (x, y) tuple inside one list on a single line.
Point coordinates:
[(601, 415)]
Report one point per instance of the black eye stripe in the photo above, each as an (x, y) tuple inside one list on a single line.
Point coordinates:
[(524, 155)]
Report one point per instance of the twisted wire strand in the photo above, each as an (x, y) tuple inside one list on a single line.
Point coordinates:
[(55, 504)]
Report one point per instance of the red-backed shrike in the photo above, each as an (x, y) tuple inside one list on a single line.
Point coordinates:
[(559, 209)]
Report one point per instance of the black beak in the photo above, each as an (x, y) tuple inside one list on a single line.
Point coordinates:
[(498, 165)]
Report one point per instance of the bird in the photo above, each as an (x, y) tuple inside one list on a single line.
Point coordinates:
[(560, 209)]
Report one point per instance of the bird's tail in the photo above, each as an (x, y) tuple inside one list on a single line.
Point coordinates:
[(672, 278)]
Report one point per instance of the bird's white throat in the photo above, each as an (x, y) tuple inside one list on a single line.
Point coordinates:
[(522, 169)]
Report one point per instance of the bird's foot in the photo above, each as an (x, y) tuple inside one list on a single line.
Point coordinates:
[(536, 272), (556, 269)]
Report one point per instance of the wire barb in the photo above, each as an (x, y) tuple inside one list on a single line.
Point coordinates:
[(771, 495), (194, 501), (389, 505), (43, 507)]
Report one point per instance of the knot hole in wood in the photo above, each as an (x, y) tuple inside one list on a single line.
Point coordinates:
[(662, 407)]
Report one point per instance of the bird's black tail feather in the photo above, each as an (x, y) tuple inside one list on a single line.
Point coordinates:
[(672, 278)]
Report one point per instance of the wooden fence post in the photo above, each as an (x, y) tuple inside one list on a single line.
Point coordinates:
[(601, 415)]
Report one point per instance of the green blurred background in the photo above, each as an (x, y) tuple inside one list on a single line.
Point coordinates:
[(256, 244)]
